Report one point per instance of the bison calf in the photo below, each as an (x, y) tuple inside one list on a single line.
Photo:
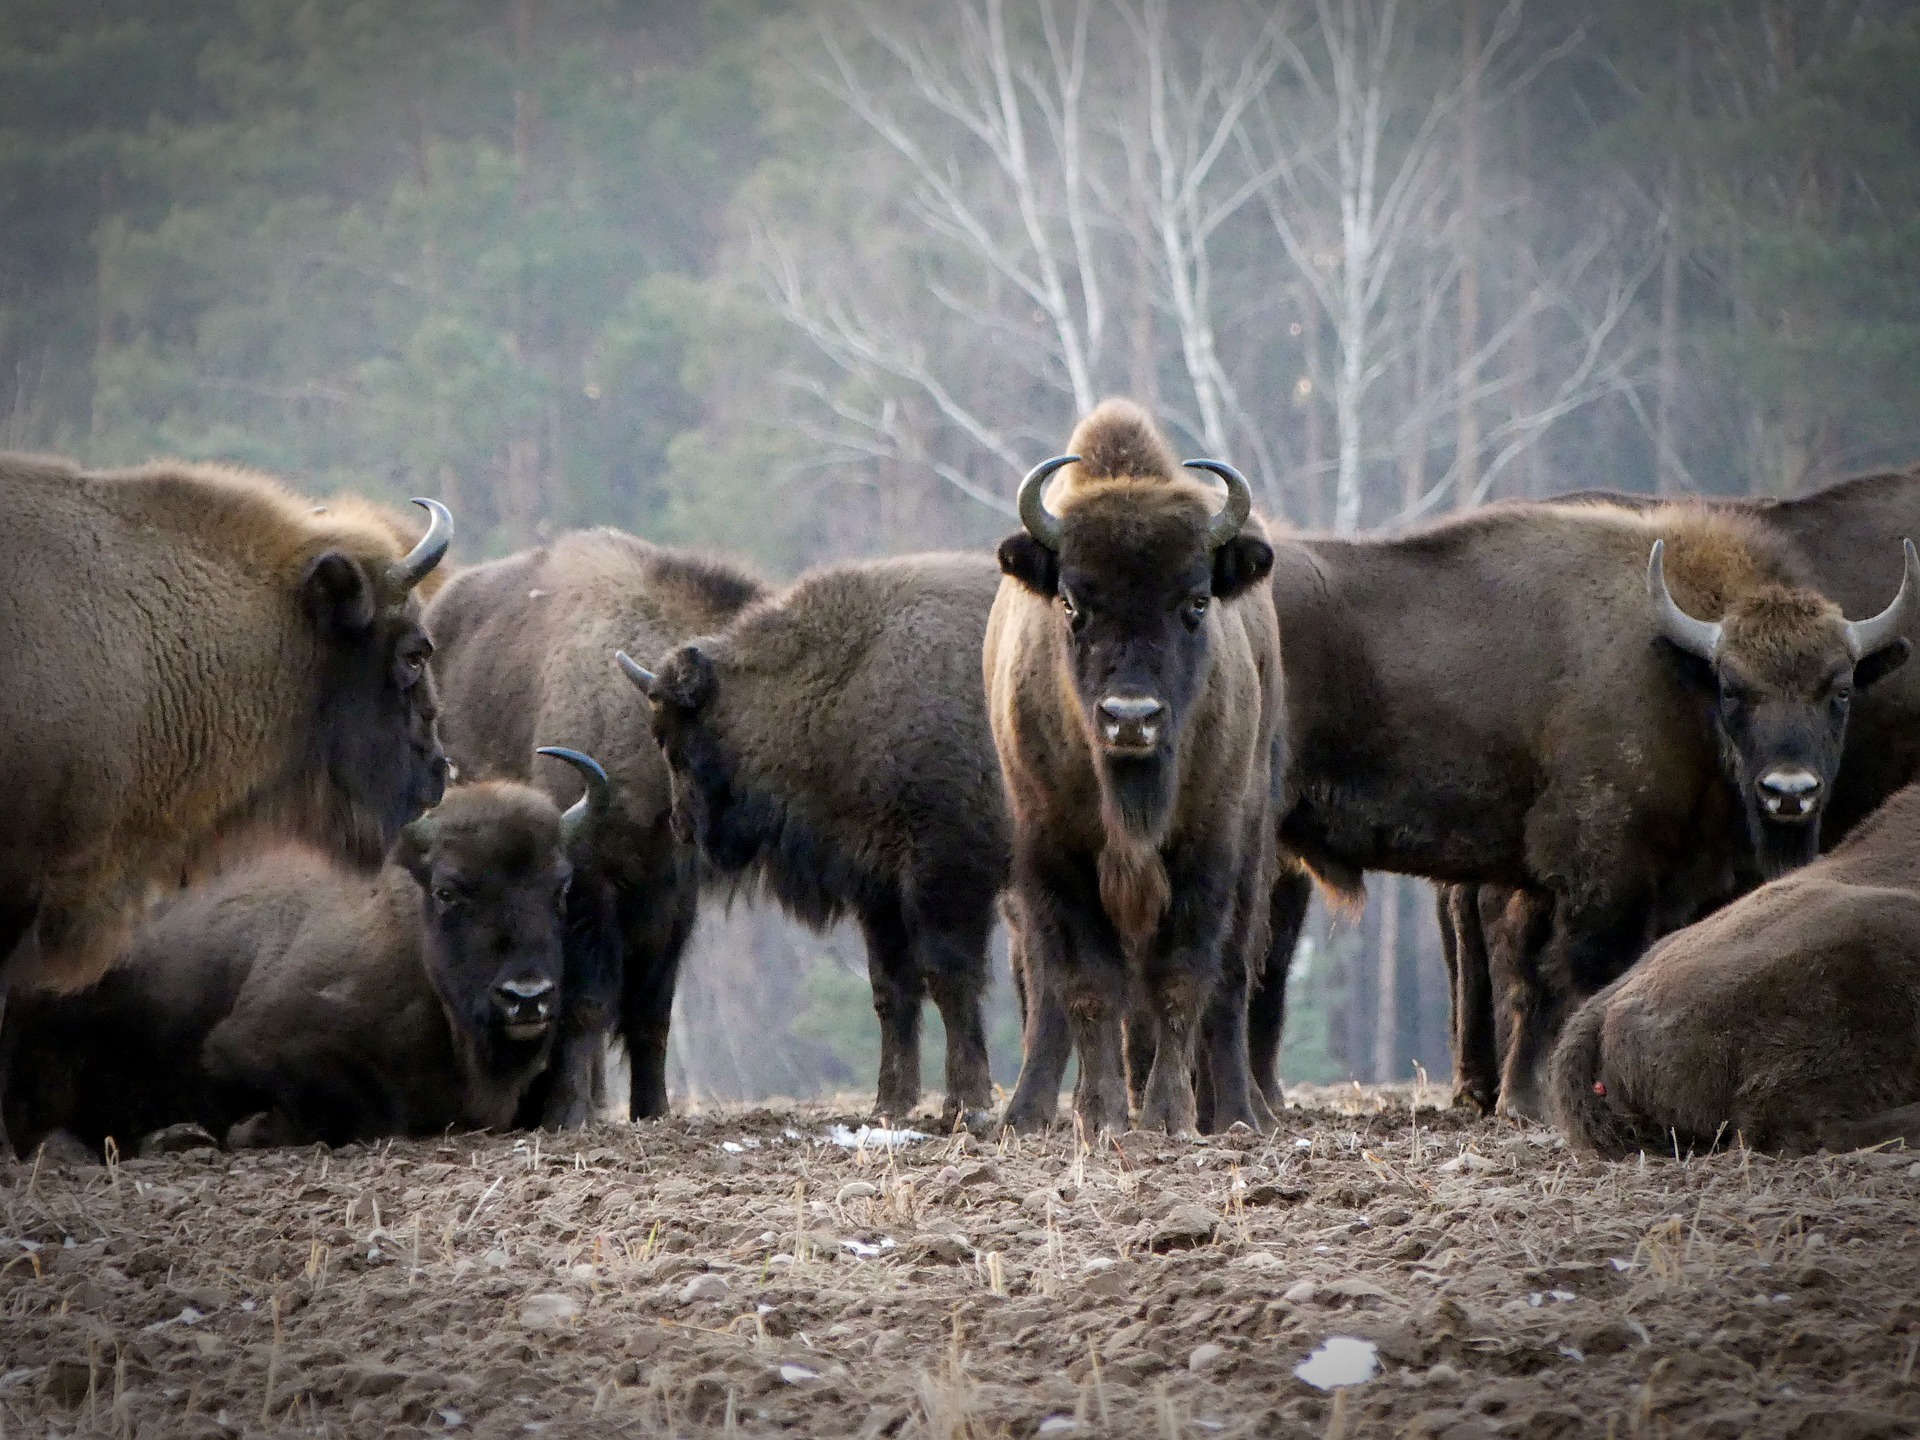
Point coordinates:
[(1132, 670), (833, 742), (1788, 1021)]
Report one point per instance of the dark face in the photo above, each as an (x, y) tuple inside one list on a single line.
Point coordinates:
[(377, 703), (493, 898), (708, 811), (1782, 686), (1133, 601)]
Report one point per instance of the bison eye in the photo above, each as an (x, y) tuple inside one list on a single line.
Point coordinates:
[(1071, 610), (446, 897), (1195, 610)]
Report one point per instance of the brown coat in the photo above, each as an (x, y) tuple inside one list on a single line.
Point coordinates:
[(191, 651), (1787, 1021)]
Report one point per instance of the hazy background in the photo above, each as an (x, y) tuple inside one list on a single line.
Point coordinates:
[(805, 281)]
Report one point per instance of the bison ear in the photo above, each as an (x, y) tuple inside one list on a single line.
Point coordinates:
[(1035, 566), (686, 679), (1240, 564), (338, 595), (1881, 663)]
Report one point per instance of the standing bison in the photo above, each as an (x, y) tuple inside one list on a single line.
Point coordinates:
[(524, 657), (833, 743), (1132, 671), (1790, 1020), (192, 651), (1637, 714), (334, 1005)]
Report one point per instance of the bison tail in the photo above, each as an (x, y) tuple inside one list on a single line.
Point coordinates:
[(1592, 1118)]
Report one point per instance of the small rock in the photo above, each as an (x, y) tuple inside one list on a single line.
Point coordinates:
[(980, 1172), (1301, 1292), (1205, 1357), (703, 1287), (1340, 1360), (175, 1140), (547, 1312), (855, 1190), (941, 1249), (1038, 1202), (1111, 1282), (1184, 1228), (1257, 1260), (1467, 1162), (1441, 1377)]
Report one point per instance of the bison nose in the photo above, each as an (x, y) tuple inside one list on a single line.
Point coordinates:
[(1790, 793), (1130, 722), (524, 1001)]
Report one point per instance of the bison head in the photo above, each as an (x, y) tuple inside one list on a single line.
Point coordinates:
[(708, 809), (1781, 668), (378, 745), (1134, 570), (492, 865)]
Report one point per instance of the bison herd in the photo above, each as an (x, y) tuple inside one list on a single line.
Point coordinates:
[(306, 838)]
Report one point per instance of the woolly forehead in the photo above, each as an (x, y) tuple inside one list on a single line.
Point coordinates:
[(495, 827), (1776, 634), (1130, 530)]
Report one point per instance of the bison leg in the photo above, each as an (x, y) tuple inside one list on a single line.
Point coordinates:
[(1170, 1104), (1267, 1005), (1142, 1039), (899, 993), (1580, 954), (15, 922), (1046, 1044), (1476, 1065), (955, 967), (654, 925), (1096, 1004), (1902, 1123)]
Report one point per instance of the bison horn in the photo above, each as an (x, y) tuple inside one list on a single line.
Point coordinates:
[(1042, 524), (1864, 637), (431, 550), (1696, 637), (644, 678), (1232, 515), (590, 808)]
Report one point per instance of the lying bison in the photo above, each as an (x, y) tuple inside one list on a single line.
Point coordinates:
[(524, 656), (1133, 681), (832, 743), (326, 1004), (1637, 714), (1790, 1020)]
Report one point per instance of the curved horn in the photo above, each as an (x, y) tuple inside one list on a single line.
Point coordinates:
[(431, 550), (590, 808), (642, 677), (1866, 636), (1232, 515), (1696, 637), (1041, 522)]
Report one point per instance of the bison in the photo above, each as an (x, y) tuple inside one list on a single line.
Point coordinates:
[(832, 742), (1132, 672), (524, 657), (193, 653), (1637, 750), (1847, 536), (1790, 1020), (326, 1004)]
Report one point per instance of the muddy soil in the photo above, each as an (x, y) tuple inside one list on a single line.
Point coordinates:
[(737, 1272)]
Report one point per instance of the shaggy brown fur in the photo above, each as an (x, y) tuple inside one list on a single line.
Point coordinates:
[(1129, 872), (191, 651), (382, 1012), (524, 657), (1789, 1020), (1549, 740), (832, 743)]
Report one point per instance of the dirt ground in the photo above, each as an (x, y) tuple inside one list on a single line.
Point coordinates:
[(737, 1272)]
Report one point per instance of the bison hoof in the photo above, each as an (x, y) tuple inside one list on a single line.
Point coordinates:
[(971, 1119), (174, 1140), (1472, 1096)]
